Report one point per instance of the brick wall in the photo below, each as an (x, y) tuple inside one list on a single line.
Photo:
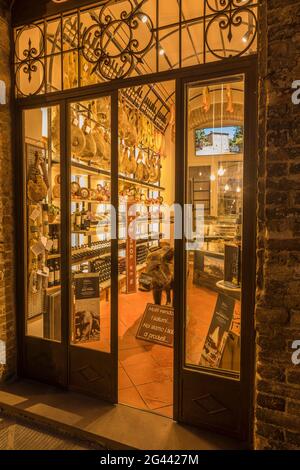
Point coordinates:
[(7, 294), (278, 273)]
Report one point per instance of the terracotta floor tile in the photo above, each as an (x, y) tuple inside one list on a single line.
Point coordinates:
[(147, 373), (131, 397), (123, 379), (130, 357), (162, 355), (157, 394), (130, 342)]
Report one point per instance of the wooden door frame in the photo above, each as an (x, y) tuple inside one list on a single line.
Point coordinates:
[(249, 70)]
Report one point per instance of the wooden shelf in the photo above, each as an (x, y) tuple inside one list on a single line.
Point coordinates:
[(53, 256), (90, 170), (106, 284)]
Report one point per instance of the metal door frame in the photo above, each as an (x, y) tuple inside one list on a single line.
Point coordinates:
[(243, 65)]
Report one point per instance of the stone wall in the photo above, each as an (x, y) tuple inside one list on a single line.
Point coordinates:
[(7, 272), (278, 271)]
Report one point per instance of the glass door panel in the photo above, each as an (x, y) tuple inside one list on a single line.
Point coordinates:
[(42, 180), (43, 211), (215, 154), (218, 168), (91, 232)]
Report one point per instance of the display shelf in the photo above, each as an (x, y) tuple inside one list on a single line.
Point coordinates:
[(51, 290), (91, 170), (54, 256), (106, 284), (89, 201), (90, 258)]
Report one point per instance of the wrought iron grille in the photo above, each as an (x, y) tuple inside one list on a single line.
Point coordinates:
[(120, 38)]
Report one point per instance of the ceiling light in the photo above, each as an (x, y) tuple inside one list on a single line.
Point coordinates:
[(221, 172), (144, 19), (161, 51), (247, 35)]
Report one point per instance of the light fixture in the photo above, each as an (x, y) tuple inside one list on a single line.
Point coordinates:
[(221, 171), (227, 187), (200, 173), (238, 189), (161, 51), (44, 122), (212, 177), (81, 121), (144, 18)]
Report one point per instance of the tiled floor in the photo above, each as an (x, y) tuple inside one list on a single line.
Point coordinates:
[(145, 369)]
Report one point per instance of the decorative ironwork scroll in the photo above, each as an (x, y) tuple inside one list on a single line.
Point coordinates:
[(114, 39), (230, 17), (110, 54)]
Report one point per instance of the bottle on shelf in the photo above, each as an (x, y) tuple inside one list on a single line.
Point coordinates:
[(77, 218), (51, 279), (84, 218), (56, 273), (45, 219), (55, 240)]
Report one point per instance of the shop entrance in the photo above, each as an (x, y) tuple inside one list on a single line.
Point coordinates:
[(140, 229)]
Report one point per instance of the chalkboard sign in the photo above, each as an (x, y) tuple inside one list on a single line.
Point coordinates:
[(218, 332), (157, 325)]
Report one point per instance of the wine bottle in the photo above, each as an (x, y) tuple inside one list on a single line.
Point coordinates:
[(55, 246), (77, 218), (84, 216), (51, 274), (56, 273)]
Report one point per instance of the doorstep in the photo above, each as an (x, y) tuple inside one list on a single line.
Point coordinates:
[(115, 427)]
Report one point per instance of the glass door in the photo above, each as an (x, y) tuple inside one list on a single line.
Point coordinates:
[(43, 354), (218, 254), (92, 229)]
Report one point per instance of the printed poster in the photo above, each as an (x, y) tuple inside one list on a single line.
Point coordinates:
[(218, 332), (87, 308)]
